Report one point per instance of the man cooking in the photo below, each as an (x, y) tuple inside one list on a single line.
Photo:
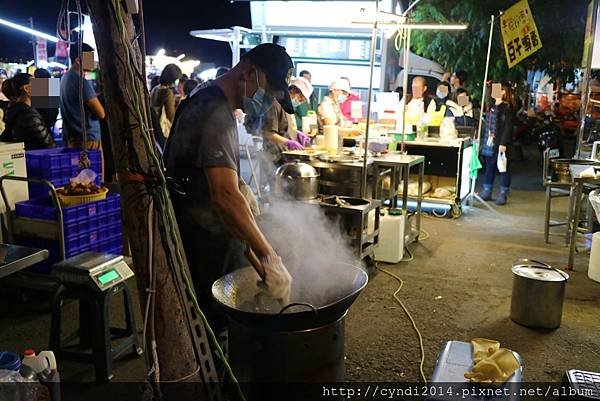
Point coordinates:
[(202, 157)]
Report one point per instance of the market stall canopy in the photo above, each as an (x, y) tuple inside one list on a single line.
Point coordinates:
[(328, 16), (419, 66), (221, 35)]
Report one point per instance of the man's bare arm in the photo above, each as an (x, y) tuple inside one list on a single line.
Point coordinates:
[(234, 210)]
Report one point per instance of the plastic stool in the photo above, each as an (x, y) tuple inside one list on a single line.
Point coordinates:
[(95, 334), (453, 362)]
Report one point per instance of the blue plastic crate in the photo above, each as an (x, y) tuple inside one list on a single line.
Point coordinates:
[(43, 209), (45, 159), (108, 240)]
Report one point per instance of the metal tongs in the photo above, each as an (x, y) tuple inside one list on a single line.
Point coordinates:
[(341, 202)]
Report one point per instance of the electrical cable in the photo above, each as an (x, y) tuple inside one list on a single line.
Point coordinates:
[(163, 196), (83, 157), (414, 325)]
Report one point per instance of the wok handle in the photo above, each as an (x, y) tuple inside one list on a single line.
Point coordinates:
[(298, 304), (253, 259), (544, 266)]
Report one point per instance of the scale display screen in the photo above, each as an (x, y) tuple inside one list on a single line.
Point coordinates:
[(108, 276)]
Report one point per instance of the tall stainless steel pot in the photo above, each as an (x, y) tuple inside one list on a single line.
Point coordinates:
[(538, 294)]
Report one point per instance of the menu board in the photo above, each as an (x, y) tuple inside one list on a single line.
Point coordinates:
[(327, 48)]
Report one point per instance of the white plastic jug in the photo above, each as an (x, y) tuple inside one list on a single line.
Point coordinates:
[(44, 360)]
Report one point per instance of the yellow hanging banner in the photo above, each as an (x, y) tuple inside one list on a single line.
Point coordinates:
[(519, 33)]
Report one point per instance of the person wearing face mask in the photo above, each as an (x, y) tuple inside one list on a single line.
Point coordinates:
[(300, 91), (329, 111), (346, 106), (441, 96), (23, 122), (202, 161)]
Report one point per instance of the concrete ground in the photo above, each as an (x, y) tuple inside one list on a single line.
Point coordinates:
[(457, 287)]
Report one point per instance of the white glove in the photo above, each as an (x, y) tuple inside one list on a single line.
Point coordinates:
[(250, 198), (278, 282)]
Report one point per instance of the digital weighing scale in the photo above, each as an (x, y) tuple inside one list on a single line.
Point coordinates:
[(99, 271)]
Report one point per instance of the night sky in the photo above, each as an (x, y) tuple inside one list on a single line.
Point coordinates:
[(167, 26)]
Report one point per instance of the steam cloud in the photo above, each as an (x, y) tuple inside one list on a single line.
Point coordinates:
[(313, 248)]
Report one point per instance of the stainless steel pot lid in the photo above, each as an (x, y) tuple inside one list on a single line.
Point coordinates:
[(297, 170), (540, 273)]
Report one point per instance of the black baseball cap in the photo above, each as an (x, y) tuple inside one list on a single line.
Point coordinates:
[(277, 64)]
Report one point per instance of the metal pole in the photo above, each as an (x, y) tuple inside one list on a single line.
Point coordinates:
[(363, 183), (472, 194), (405, 13), (235, 46), (405, 65), (585, 90), (33, 42), (485, 76)]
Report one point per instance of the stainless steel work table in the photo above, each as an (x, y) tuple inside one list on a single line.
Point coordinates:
[(575, 200), (14, 258), (400, 165)]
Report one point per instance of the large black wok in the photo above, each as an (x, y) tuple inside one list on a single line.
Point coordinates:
[(314, 302)]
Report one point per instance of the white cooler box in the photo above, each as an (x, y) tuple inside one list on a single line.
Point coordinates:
[(12, 162)]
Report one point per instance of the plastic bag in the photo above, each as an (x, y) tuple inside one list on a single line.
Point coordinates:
[(86, 177), (14, 387), (594, 198), (502, 162), (447, 129)]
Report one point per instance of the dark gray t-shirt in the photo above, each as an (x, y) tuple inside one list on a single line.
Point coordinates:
[(204, 134)]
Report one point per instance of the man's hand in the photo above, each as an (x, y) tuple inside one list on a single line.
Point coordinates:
[(502, 149)]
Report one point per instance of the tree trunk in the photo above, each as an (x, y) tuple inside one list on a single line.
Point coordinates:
[(152, 248)]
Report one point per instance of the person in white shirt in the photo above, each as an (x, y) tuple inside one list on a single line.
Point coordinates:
[(329, 112), (419, 103)]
